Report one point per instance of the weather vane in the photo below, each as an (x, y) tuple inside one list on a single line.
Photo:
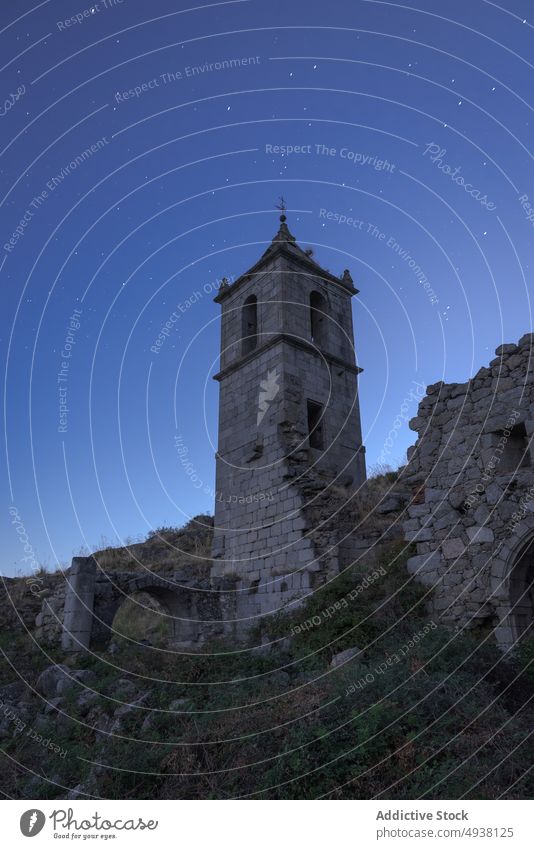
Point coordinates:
[(281, 205)]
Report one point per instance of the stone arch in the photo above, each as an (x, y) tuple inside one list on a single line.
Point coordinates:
[(512, 580), (175, 603), (93, 599), (521, 589)]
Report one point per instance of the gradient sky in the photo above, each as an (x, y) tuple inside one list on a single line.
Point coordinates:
[(386, 100)]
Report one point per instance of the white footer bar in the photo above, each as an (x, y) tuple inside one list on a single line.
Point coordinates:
[(269, 824)]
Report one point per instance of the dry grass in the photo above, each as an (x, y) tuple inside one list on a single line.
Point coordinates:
[(164, 547)]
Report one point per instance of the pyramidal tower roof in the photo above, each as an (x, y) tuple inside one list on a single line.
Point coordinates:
[(285, 244)]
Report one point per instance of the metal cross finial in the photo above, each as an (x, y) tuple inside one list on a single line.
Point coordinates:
[(281, 205)]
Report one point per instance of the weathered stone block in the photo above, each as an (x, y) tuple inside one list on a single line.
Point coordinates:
[(424, 563), (344, 657), (452, 548), (419, 535), (505, 349), (479, 534)]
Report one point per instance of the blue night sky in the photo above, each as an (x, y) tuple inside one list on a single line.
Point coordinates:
[(414, 123)]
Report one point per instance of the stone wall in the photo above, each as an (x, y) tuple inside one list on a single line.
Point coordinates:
[(22, 600), (76, 609), (472, 477), (189, 604)]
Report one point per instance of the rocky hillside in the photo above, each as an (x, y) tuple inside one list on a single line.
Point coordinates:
[(357, 695)]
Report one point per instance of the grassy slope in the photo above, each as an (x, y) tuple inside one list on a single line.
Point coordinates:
[(435, 719)]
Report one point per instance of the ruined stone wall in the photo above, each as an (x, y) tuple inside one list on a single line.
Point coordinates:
[(76, 609), (472, 475), (22, 600), (190, 605)]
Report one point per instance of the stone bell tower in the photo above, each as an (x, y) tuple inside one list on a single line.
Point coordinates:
[(289, 418)]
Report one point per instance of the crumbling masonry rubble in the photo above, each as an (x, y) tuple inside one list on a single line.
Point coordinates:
[(471, 473)]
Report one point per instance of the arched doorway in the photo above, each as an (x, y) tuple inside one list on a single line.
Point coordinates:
[(146, 610), (142, 617), (521, 590)]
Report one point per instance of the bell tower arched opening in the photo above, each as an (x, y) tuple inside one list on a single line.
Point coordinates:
[(249, 325)]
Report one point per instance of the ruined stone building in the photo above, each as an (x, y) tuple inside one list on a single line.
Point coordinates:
[(472, 516), (290, 464), (289, 440)]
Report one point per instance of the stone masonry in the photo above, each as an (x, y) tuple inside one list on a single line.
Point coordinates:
[(472, 514), (81, 611), (289, 412)]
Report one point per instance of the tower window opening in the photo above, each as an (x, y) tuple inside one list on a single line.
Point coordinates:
[(249, 332), (315, 425), (515, 449), (318, 318)]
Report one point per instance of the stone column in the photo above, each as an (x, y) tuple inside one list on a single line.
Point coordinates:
[(79, 599)]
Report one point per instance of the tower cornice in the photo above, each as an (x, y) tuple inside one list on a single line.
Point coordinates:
[(296, 343)]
